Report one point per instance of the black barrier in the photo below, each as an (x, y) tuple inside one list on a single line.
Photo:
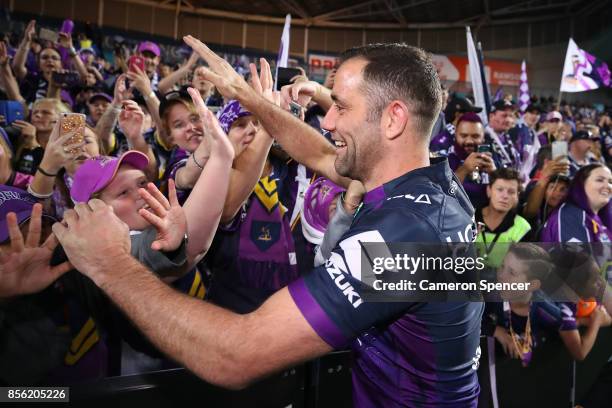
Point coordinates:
[(547, 381), (330, 383), (326, 382), (180, 388)]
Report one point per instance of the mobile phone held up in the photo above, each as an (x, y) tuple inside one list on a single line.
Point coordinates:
[(296, 109), (559, 149), (284, 76), (136, 61), (72, 123), (48, 35), (485, 148), (11, 111), (68, 79)]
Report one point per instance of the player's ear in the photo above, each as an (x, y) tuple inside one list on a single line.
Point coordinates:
[(394, 119)]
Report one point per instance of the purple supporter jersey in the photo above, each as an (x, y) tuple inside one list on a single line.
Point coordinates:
[(405, 353), (442, 142), (258, 253), (475, 189)]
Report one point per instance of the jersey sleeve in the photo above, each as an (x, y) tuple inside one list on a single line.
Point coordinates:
[(331, 296)]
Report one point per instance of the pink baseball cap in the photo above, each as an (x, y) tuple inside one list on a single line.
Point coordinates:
[(97, 173), (554, 115), (149, 46)]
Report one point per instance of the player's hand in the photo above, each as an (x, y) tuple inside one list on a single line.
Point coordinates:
[(227, 81), (94, 240)]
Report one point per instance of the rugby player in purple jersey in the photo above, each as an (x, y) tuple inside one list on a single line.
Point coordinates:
[(386, 98)]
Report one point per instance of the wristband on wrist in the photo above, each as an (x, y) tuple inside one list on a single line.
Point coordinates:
[(37, 195), (72, 52), (46, 173), (196, 162), (150, 95)]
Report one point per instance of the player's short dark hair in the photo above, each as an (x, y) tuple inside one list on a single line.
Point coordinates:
[(400, 72)]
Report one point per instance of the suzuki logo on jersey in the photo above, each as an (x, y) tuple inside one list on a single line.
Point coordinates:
[(337, 270)]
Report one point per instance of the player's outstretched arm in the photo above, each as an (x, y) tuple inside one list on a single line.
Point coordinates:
[(239, 348)]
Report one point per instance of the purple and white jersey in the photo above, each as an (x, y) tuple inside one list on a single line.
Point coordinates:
[(504, 148), (442, 142), (406, 354)]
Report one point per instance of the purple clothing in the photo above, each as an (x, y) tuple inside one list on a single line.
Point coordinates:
[(406, 354), (255, 255), (178, 158), (442, 142), (230, 113), (570, 223), (476, 191), (522, 137), (574, 221), (506, 152), (19, 180), (545, 317)]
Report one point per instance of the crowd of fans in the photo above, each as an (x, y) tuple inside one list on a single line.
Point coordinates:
[(256, 213)]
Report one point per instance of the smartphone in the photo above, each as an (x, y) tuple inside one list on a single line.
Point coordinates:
[(284, 76), (296, 109), (559, 148), (136, 61), (48, 35), (72, 123), (68, 79), (67, 27), (12, 111), (485, 148)]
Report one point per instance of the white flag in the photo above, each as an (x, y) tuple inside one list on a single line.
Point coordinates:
[(283, 51), (475, 78), (523, 97), (583, 71)]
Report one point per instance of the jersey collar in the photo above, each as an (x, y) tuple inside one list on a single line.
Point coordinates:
[(438, 172)]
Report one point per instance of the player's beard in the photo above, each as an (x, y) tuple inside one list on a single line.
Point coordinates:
[(360, 154)]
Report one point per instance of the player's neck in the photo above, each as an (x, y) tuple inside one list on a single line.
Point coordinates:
[(395, 165)]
